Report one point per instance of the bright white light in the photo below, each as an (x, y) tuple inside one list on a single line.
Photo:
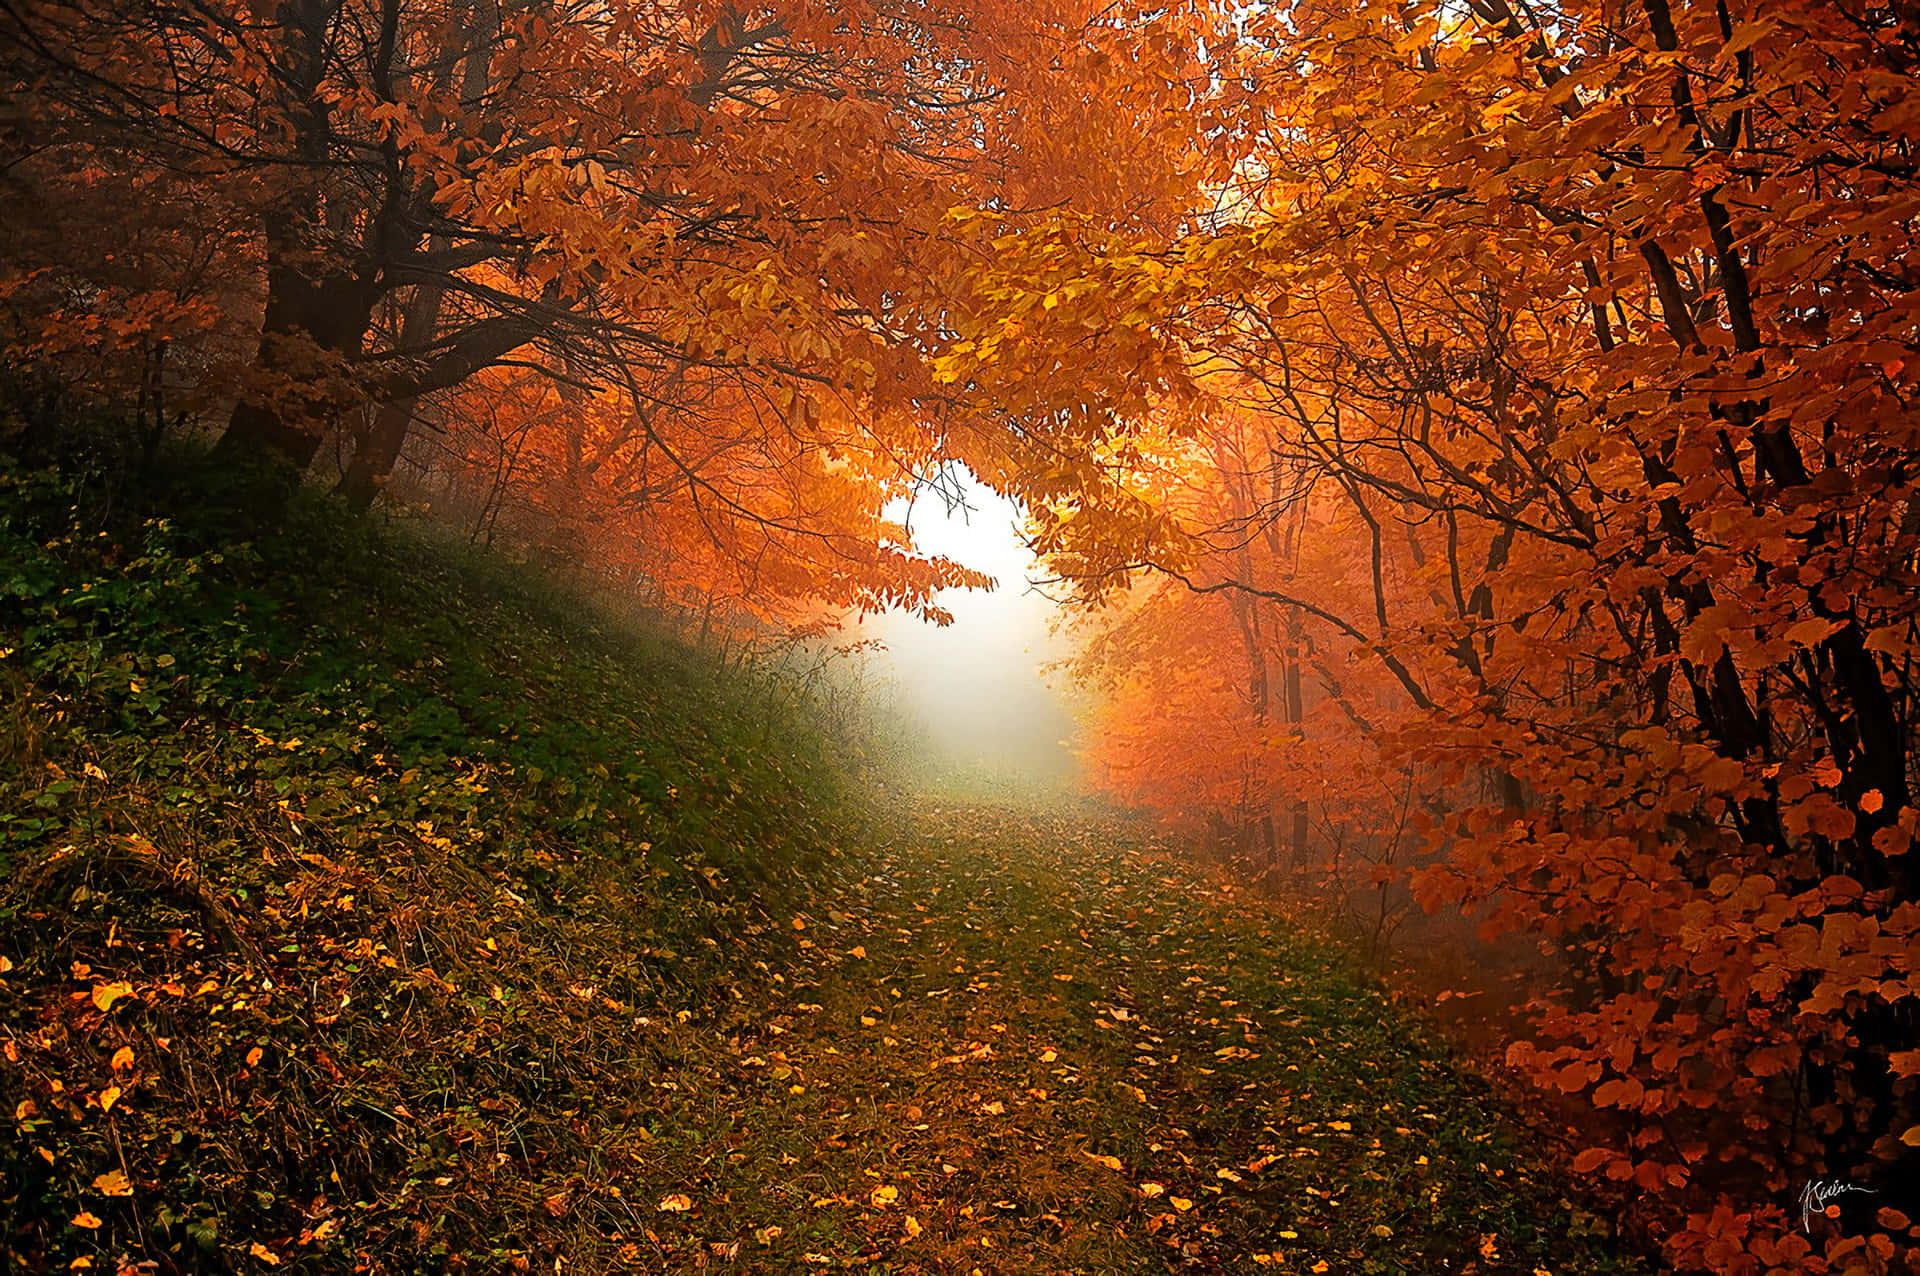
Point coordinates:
[(977, 683)]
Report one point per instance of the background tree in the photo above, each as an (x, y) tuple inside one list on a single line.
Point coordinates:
[(1593, 326)]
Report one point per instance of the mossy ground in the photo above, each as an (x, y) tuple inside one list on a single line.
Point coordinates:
[(365, 911)]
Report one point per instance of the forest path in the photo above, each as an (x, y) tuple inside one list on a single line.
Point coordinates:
[(1022, 1042)]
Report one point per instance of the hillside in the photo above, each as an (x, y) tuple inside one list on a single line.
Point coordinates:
[(364, 911)]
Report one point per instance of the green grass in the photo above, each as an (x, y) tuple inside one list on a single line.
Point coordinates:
[(427, 840), (1063, 1052), (366, 910)]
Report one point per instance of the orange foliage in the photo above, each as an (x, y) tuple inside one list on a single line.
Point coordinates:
[(1540, 393)]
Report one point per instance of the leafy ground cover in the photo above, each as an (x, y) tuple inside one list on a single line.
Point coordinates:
[(1026, 1042), (384, 917)]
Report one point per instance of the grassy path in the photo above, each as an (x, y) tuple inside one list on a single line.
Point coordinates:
[(1017, 1044)]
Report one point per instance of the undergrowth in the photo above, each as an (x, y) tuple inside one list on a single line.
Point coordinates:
[(365, 908), (323, 851)]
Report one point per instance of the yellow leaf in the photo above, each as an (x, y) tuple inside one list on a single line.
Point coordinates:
[(884, 1195), (253, 1057), (858, 950), (1912, 1137), (868, 1021), (109, 1097), (913, 1226), (106, 994), (1746, 35), (84, 1219), (123, 1058), (113, 1183), (676, 1203), (1320, 1266), (264, 1254), (1180, 1203), (1153, 1189), (1111, 1162)]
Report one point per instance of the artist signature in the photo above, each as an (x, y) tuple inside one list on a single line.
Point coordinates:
[(1815, 1195)]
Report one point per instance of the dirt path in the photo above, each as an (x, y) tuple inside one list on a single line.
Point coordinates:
[(1019, 1043)]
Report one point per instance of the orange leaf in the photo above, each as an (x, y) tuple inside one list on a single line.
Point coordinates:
[(1590, 1160)]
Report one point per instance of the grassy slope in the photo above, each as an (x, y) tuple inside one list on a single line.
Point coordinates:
[(381, 855), (381, 917)]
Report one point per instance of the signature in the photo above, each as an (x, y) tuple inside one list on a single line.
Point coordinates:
[(1815, 1195)]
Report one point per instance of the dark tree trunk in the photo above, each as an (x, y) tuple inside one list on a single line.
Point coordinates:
[(312, 331)]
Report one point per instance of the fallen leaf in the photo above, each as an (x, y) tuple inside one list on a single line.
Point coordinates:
[(253, 1057), (884, 1195), (264, 1254), (109, 1097), (1180, 1203), (113, 1183), (84, 1219), (123, 1058), (106, 994), (1111, 1162), (676, 1203)]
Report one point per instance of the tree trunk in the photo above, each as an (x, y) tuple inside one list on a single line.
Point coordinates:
[(309, 324)]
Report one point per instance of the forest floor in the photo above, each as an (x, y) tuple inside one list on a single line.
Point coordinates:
[(1025, 1042), (365, 908)]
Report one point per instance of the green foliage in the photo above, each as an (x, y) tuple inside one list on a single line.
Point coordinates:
[(362, 829)]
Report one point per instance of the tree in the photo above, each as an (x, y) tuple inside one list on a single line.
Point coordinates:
[(1594, 323), (441, 187)]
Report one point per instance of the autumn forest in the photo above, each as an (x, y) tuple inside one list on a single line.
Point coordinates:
[(1472, 448)]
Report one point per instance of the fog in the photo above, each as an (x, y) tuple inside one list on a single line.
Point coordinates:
[(986, 715)]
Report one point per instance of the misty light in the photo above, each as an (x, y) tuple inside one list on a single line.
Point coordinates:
[(977, 687)]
